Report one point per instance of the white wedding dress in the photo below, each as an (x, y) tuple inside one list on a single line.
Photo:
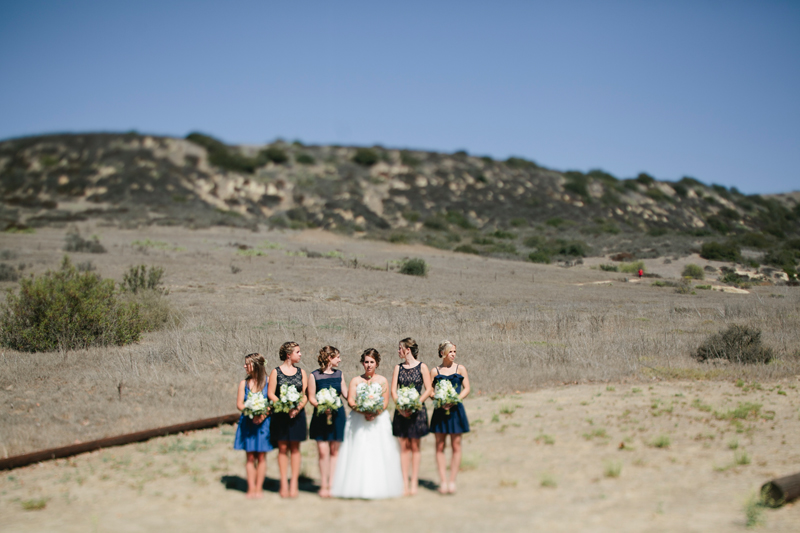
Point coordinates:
[(368, 466)]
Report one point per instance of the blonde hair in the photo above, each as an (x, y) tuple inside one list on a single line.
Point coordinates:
[(259, 374), (326, 353), (286, 349), (444, 345), (411, 344)]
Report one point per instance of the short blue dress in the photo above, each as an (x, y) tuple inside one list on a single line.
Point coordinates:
[(252, 437), (456, 421), (319, 429)]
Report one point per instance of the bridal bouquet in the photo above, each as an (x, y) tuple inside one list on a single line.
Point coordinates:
[(369, 398), (408, 399), (255, 404), (289, 398), (444, 393), (328, 399)]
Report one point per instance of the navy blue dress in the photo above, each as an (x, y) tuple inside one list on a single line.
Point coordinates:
[(456, 421), (252, 437), (282, 426), (320, 429)]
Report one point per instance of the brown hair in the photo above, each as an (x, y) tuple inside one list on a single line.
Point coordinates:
[(411, 344), (259, 374), (443, 346), (326, 353), (286, 349), (371, 352)]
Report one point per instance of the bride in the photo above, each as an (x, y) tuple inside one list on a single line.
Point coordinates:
[(369, 457)]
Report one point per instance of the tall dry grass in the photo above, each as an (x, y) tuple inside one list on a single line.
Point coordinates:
[(517, 327)]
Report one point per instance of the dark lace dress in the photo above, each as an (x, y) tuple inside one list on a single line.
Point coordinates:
[(416, 425), (320, 429), (282, 426)]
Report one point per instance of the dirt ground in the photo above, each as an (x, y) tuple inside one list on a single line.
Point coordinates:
[(642, 438), (571, 458)]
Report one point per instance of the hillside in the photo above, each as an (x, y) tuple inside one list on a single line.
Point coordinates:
[(511, 208)]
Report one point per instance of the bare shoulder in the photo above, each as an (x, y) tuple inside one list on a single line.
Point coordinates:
[(462, 370), (423, 367)]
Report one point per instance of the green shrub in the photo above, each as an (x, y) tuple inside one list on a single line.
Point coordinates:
[(781, 258), (500, 234), (458, 218), (632, 267), (478, 239), (8, 273), (399, 238), (717, 251), (693, 271), (573, 249), (645, 179), (718, 225), (76, 243), (631, 185), (304, 159), (657, 231), (519, 163), (140, 278), (539, 256), (503, 248), (609, 268), (680, 190), (414, 267), (409, 160), (436, 222), (755, 240), (738, 344), (534, 241), (658, 195), (555, 222), (577, 183), (221, 156), (154, 309), (276, 154), (467, 249), (518, 222), (366, 157), (66, 310)]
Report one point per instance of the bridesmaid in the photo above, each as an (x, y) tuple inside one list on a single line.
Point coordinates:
[(252, 435), (327, 434), (453, 424), (288, 429), (410, 427)]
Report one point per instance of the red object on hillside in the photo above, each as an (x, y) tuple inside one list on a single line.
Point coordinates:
[(641, 272)]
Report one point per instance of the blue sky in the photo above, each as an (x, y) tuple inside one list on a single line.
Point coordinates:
[(698, 88)]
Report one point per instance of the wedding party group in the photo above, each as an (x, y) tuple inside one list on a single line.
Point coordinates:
[(362, 454)]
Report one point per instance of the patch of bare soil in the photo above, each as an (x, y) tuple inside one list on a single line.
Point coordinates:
[(680, 456)]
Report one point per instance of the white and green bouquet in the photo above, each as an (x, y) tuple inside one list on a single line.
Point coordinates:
[(369, 398), (445, 394), (408, 399), (288, 399), (328, 400), (255, 404)]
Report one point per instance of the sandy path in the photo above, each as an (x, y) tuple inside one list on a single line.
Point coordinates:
[(570, 435)]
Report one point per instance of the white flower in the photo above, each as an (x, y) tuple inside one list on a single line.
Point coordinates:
[(255, 404)]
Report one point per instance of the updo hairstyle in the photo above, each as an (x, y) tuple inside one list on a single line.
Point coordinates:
[(371, 352), (286, 349), (326, 353), (410, 344), (444, 346)]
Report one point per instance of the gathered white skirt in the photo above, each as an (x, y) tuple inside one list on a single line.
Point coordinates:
[(368, 465)]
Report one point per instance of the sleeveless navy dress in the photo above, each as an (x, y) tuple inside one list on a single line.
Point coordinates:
[(416, 425), (252, 437), (283, 427), (456, 421), (320, 429)]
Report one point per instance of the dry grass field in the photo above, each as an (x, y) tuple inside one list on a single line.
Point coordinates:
[(589, 412)]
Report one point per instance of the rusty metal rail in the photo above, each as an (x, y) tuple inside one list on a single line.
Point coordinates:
[(782, 490), (75, 449)]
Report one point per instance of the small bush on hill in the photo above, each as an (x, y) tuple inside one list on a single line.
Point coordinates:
[(533, 241), (577, 183), (8, 273), (518, 222), (539, 256), (632, 267), (781, 258), (457, 218), (680, 190), (142, 278), (409, 160), (500, 234), (519, 163), (645, 179), (693, 271), (67, 309), (414, 267), (467, 249), (717, 251), (718, 225), (755, 240), (366, 157), (609, 268), (304, 159), (76, 243), (222, 156), (276, 154), (437, 223), (738, 344)]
